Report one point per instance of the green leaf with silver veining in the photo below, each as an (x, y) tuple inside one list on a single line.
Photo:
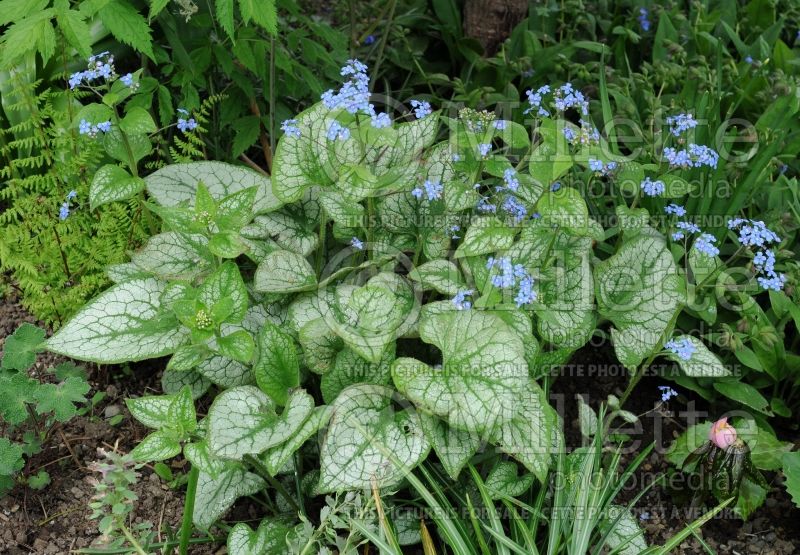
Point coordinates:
[(284, 272), (124, 323), (639, 290), (363, 430), (242, 421), (482, 375)]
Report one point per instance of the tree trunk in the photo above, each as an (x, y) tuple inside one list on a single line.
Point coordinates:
[(491, 21)]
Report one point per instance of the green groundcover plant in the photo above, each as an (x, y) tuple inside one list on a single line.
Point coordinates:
[(401, 299)]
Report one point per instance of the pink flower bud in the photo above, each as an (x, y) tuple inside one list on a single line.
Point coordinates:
[(722, 434)]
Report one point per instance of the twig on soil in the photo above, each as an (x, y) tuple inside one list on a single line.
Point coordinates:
[(69, 448)]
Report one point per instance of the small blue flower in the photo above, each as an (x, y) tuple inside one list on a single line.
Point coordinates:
[(127, 79), (748, 59), (570, 134), (774, 282), (63, 212), (510, 179), (370, 39), (753, 233), (705, 244), (652, 188), (185, 124), (683, 348), (644, 515), (566, 96), (454, 229), (84, 127), (680, 123), (460, 300), (104, 126), (675, 210), (357, 243), (526, 294), (515, 208), (500, 124), (484, 149), (644, 23), (72, 194), (421, 108), (431, 189), (337, 131), (667, 393), (381, 120), (290, 128), (555, 186), (456, 157), (485, 206), (535, 99), (75, 79), (595, 165)]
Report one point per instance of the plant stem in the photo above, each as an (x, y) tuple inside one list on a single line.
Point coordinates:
[(188, 510)]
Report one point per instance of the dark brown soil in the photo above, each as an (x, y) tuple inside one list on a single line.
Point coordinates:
[(594, 374)]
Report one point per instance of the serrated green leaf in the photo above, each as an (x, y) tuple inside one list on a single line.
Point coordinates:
[(127, 25), (125, 323), (112, 183), (791, 469), (363, 426), (639, 290), (75, 30), (224, 11), (16, 391), (242, 421), (20, 348), (61, 399), (10, 457)]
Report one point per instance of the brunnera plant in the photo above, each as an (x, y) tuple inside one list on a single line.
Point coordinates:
[(394, 296)]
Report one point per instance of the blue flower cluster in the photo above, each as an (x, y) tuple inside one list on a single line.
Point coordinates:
[(515, 208), (357, 243), (755, 233), (510, 179), (696, 156), (484, 149), (186, 124), (485, 206), (705, 244), (598, 166), (667, 392), (63, 212), (644, 23), (354, 94), (460, 300), (652, 188), (508, 276), (290, 128), (86, 128), (535, 99), (337, 131), (380, 120), (500, 124), (586, 135), (422, 108), (566, 97), (100, 66), (683, 348), (680, 123), (431, 189), (676, 210)]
